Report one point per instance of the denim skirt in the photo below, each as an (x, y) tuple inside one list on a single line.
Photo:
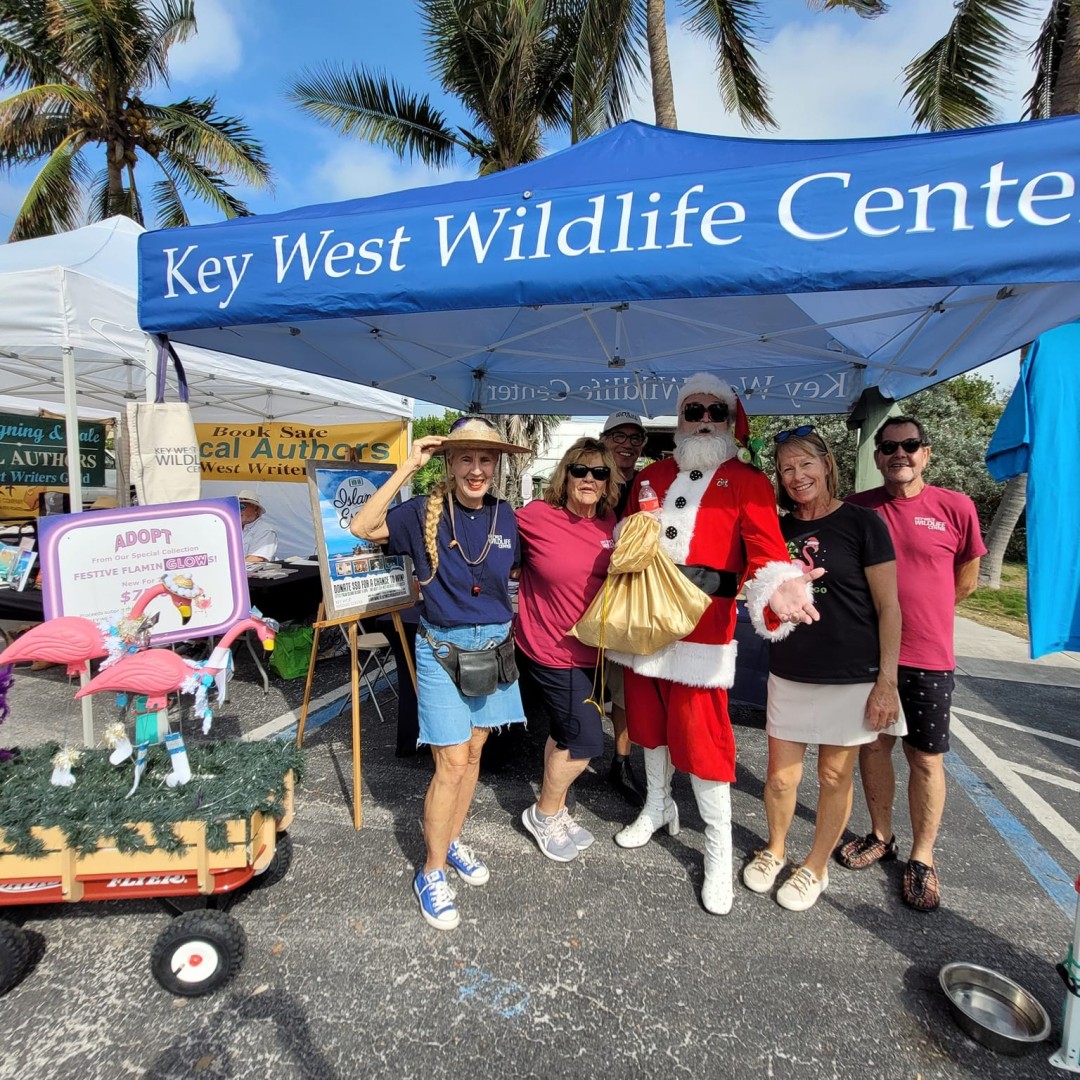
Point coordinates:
[(447, 716)]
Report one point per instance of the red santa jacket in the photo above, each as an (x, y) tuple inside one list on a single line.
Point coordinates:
[(725, 520)]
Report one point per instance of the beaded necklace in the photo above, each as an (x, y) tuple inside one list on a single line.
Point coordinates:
[(455, 543)]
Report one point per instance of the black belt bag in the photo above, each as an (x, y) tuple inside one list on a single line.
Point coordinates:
[(712, 582), (476, 672)]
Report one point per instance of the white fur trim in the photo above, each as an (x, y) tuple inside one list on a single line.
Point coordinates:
[(683, 519), (691, 663), (759, 590), (704, 383)]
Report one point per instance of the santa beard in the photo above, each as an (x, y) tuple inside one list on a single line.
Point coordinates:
[(704, 450)]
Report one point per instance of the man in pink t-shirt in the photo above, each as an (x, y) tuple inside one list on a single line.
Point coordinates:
[(938, 544)]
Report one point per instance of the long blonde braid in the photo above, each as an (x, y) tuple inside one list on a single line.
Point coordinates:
[(435, 503)]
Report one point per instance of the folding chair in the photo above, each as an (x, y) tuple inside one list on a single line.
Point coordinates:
[(375, 651)]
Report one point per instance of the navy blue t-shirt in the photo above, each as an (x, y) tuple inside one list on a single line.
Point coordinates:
[(448, 599)]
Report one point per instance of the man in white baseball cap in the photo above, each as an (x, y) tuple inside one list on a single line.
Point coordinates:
[(624, 435), (260, 540)]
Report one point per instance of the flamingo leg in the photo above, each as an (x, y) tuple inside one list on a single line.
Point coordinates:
[(181, 768)]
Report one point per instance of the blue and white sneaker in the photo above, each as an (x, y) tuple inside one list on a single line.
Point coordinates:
[(436, 900), (468, 867)]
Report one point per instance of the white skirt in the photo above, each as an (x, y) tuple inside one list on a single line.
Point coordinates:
[(829, 714)]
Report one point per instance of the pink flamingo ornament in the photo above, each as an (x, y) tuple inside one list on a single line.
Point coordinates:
[(73, 640), (156, 673)]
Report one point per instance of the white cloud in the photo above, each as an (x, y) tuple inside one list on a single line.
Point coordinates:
[(354, 170), (832, 76), (217, 48)]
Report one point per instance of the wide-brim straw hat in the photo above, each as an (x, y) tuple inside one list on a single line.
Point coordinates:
[(246, 495), (478, 433)]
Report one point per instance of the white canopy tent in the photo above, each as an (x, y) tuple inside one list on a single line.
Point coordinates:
[(70, 339)]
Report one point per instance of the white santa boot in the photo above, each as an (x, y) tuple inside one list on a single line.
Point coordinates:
[(714, 805), (659, 809)]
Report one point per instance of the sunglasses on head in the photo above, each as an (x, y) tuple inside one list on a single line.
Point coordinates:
[(799, 432), (695, 411), (597, 472), (471, 419), (889, 446), (620, 437)]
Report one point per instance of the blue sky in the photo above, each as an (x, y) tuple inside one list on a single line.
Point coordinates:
[(832, 75)]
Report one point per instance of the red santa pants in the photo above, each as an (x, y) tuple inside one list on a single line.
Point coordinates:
[(691, 721)]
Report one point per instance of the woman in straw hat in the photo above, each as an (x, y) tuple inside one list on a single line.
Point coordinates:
[(463, 541)]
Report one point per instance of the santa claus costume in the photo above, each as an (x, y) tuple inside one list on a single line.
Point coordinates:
[(722, 518)]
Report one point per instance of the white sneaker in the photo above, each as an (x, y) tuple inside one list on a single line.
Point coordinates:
[(581, 836), (760, 874), (801, 890), (551, 835)]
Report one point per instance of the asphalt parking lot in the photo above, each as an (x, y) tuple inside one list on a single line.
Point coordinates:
[(607, 966)]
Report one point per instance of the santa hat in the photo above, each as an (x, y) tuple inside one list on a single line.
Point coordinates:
[(704, 383)]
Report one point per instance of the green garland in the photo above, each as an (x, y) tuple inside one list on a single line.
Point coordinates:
[(229, 780)]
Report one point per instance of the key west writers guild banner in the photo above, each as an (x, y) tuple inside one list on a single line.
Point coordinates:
[(271, 451), (33, 459)]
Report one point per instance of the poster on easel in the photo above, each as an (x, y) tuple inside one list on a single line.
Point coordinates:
[(357, 577)]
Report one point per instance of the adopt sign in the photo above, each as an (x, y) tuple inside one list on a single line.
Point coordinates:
[(97, 564), (33, 452), (272, 451)]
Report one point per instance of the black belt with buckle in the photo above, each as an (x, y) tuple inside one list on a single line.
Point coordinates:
[(723, 583)]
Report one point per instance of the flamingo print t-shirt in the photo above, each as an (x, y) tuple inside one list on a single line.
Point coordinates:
[(842, 647)]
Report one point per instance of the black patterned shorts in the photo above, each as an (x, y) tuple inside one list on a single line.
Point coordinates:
[(926, 698)]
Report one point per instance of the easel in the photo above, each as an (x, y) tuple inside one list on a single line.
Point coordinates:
[(353, 620)]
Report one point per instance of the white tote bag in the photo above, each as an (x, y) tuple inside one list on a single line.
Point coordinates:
[(164, 448)]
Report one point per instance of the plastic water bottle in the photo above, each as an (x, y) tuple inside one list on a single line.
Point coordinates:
[(648, 500)]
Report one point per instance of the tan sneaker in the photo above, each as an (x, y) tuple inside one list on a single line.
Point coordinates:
[(759, 875), (801, 890)]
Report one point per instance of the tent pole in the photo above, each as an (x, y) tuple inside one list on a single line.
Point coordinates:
[(868, 414)]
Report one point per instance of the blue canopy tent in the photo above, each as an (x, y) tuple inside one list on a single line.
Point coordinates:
[(599, 277)]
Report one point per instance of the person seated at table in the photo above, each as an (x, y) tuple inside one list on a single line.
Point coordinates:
[(260, 540)]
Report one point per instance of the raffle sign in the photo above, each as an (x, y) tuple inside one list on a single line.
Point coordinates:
[(356, 576), (97, 564)]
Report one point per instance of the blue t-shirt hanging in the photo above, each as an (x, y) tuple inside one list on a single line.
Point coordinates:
[(460, 594)]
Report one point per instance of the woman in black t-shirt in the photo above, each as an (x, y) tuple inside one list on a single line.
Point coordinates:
[(833, 682)]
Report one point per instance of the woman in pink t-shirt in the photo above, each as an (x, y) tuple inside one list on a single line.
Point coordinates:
[(566, 544)]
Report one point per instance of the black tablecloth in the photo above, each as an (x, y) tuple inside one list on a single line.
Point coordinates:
[(296, 597), (25, 606)]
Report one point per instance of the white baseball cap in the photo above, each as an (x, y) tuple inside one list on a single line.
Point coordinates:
[(618, 419)]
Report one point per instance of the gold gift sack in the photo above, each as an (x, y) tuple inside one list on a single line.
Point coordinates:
[(646, 602)]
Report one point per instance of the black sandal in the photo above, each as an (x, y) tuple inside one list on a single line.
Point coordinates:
[(922, 889), (864, 852)]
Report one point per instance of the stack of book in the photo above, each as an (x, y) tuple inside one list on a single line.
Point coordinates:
[(17, 563)]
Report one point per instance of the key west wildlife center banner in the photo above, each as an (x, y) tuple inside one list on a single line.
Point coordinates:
[(33, 459), (272, 451)]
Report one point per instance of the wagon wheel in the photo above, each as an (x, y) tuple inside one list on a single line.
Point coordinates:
[(278, 866), (14, 955), (198, 952)]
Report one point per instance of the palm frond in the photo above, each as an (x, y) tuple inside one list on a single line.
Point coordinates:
[(191, 128), (951, 85), (169, 23), (378, 110), (28, 54), (607, 64), (1047, 53), (732, 26), (53, 201), (201, 182), (865, 9)]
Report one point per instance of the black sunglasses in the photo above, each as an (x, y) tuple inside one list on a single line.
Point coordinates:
[(799, 432), (597, 472), (695, 411), (888, 446)]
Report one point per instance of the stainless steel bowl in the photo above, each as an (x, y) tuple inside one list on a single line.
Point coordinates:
[(992, 1009)]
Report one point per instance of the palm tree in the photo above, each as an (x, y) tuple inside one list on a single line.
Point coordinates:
[(733, 29), (951, 85), (532, 431), (520, 68), (80, 69)]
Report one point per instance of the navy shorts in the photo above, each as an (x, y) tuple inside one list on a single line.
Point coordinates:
[(559, 698), (926, 698)]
